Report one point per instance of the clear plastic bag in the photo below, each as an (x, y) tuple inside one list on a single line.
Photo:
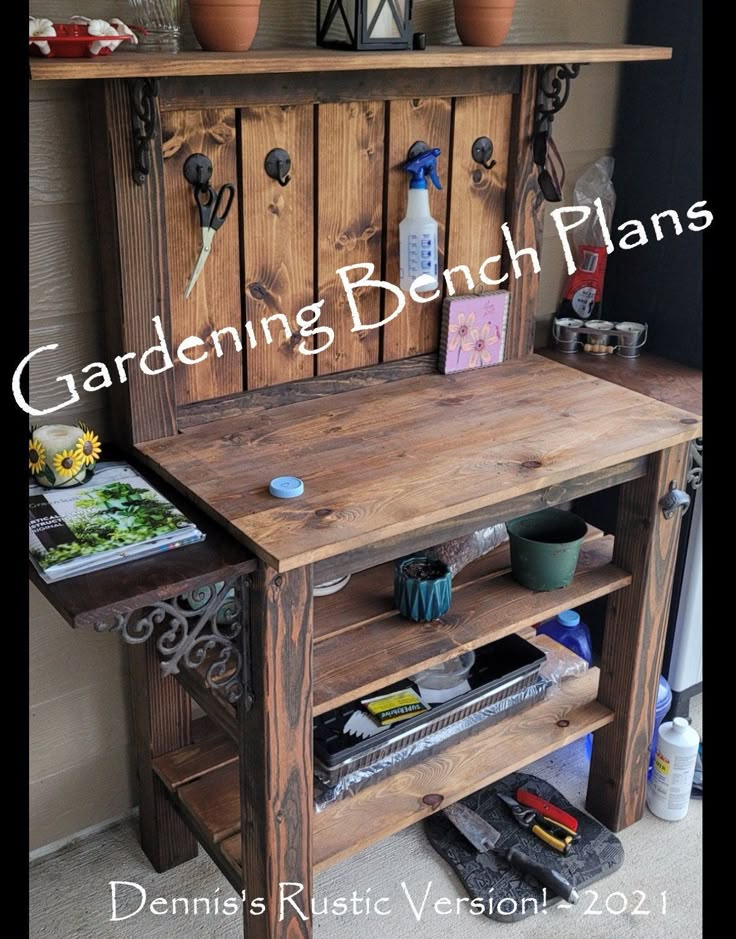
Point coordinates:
[(459, 552), (596, 182)]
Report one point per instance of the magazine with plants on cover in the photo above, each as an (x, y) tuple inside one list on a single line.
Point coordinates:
[(115, 516)]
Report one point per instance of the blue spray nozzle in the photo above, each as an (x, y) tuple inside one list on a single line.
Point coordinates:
[(421, 166)]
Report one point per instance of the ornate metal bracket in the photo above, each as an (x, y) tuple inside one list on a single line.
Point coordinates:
[(554, 91), (695, 472), (143, 94), (194, 625)]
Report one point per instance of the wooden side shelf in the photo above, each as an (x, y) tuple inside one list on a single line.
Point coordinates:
[(204, 779)]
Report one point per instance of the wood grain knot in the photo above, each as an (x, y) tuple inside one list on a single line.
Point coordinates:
[(531, 464), (433, 800), (321, 513), (278, 581), (563, 723), (476, 176), (257, 291), (279, 816), (233, 438), (688, 420)]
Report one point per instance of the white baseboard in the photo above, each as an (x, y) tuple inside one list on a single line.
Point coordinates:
[(55, 846)]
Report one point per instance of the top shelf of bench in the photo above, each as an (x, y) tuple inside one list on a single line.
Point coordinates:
[(401, 458), (273, 61)]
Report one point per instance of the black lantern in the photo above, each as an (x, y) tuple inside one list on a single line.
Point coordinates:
[(364, 24)]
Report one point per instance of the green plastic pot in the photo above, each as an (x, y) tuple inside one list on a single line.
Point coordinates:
[(545, 547)]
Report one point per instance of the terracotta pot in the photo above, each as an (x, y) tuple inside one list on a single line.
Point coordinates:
[(225, 25), (483, 22)]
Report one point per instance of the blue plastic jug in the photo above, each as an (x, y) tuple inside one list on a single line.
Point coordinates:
[(567, 629)]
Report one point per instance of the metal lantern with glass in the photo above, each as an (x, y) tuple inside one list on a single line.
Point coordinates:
[(364, 24)]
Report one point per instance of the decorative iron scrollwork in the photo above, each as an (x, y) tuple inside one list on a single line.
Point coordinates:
[(143, 94), (191, 627), (554, 91), (695, 472)]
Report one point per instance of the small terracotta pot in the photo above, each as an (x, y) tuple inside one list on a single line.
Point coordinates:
[(483, 22), (225, 25)]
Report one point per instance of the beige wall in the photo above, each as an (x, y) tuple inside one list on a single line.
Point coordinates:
[(80, 773)]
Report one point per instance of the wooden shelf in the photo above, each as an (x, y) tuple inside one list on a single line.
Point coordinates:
[(204, 781), (100, 596), (356, 661), (651, 375), (273, 61)]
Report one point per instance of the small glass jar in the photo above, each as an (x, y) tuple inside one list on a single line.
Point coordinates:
[(162, 21)]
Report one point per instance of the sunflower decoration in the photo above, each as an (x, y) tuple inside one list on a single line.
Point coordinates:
[(36, 456), (88, 447), (67, 463), (62, 455)]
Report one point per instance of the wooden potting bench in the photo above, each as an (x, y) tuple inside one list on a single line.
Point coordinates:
[(394, 456)]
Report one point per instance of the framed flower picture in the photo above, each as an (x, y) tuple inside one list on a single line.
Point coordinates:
[(473, 331)]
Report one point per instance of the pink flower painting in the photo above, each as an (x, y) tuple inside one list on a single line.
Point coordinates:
[(473, 331)]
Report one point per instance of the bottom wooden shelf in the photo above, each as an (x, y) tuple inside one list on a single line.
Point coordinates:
[(203, 779)]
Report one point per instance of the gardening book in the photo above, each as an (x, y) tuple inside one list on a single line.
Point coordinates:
[(115, 516)]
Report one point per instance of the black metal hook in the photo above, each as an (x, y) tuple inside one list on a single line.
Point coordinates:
[(198, 171), (482, 151), (278, 166)]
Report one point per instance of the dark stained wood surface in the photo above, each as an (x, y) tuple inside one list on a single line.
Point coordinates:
[(278, 234), (328, 87), (162, 717), (349, 198), (416, 329), (276, 747), (633, 641), (131, 64), (651, 375), (399, 458), (215, 300), (131, 226), (524, 212), (97, 597), (369, 657)]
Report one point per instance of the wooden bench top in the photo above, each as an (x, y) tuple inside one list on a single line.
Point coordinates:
[(396, 458)]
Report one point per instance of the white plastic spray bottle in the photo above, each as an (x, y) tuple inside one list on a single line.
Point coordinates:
[(418, 230)]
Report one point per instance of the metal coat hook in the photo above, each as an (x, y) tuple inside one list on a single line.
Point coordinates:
[(482, 152), (198, 171), (278, 166)]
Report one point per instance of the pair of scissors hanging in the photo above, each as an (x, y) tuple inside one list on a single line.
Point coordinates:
[(214, 206)]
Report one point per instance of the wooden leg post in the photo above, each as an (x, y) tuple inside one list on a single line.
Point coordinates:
[(162, 719), (633, 644), (276, 755)]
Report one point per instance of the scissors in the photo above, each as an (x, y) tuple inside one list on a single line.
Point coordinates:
[(212, 214)]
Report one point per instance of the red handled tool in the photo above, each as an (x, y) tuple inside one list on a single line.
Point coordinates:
[(547, 810)]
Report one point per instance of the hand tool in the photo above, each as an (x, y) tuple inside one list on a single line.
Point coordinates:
[(554, 833), (548, 810), (213, 210), (484, 837)]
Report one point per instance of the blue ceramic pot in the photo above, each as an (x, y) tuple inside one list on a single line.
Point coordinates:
[(419, 599)]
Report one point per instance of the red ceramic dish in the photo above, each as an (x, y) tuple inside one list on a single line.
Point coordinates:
[(71, 41)]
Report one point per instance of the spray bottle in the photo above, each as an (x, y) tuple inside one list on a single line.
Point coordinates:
[(418, 230)]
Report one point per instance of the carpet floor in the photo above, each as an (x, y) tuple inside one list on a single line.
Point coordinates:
[(656, 894)]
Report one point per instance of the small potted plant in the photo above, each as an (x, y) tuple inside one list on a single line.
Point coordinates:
[(422, 588)]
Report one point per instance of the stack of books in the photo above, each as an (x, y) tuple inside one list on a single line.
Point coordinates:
[(114, 517)]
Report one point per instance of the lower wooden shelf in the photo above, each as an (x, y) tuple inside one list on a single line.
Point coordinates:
[(204, 778)]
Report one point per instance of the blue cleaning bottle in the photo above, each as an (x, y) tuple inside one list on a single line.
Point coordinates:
[(418, 230)]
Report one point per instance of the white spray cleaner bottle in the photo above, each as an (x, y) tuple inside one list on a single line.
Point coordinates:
[(418, 230), (668, 792)]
